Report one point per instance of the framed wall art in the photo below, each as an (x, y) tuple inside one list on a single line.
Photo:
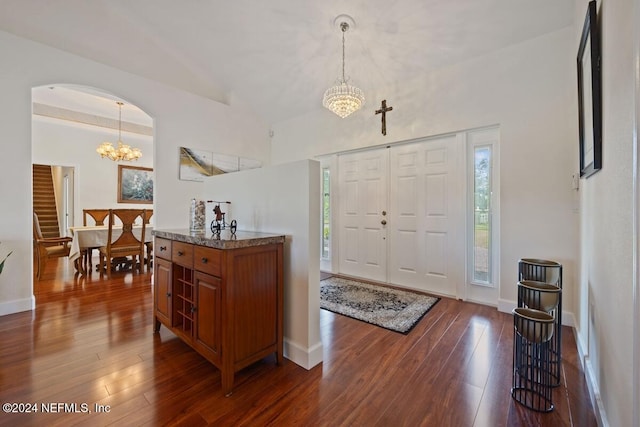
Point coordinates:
[(589, 99), (135, 184), (196, 165)]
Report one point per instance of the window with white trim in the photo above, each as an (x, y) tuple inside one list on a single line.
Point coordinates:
[(481, 262)]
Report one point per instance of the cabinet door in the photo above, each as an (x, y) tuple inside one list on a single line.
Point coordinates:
[(162, 290), (209, 314)]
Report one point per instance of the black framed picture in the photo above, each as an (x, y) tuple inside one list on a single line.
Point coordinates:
[(589, 100)]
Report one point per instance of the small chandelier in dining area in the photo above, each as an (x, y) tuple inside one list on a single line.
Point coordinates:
[(342, 98), (122, 151)]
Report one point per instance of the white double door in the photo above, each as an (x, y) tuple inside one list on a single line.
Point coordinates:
[(402, 214)]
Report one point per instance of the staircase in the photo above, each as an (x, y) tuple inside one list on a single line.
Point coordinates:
[(44, 201)]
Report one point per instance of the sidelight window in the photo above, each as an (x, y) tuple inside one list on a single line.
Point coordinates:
[(482, 228), (326, 214)]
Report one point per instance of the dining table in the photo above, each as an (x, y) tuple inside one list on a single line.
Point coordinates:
[(94, 236)]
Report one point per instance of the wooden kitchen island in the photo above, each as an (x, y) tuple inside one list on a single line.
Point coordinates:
[(221, 294)]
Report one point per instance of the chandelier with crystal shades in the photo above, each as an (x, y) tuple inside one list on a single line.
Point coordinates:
[(122, 151), (343, 99)]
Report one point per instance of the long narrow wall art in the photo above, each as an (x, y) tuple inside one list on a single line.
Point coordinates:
[(195, 165)]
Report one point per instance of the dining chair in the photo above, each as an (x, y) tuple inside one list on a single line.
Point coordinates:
[(49, 247), (148, 213), (149, 245), (125, 244), (98, 216)]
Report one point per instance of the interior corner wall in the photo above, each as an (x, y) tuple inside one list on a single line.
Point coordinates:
[(530, 91), (605, 291), (283, 199), (180, 119)]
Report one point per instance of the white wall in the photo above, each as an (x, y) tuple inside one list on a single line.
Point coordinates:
[(605, 295), (64, 143), (529, 90), (283, 199), (180, 119)]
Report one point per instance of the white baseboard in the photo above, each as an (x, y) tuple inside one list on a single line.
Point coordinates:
[(305, 357), (592, 385), (18, 305), (507, 306), (594, 392)]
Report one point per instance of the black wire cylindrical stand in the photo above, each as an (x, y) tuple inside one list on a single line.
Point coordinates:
[(532, 377), (550, 272)]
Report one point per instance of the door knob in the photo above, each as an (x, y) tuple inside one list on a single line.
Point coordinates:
[(384, 213), (383, 222)]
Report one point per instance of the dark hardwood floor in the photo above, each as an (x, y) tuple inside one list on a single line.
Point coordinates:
[(90, 341)]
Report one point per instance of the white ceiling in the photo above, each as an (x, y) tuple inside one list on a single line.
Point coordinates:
[(279, 56)]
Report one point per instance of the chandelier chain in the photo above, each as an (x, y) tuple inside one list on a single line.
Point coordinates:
[(120, 104), (344, 29)]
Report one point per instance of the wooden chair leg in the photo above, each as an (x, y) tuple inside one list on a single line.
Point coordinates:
[(38, 267), (101, 264), (149, 259), (84, 256), (88, 262), (42, 261)]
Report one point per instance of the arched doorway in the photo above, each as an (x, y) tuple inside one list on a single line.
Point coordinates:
[(68, 124)]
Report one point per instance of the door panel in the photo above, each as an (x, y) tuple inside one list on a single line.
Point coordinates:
[(426, 219), (162, 290), (209, 315), (436, 244), (363, 197)]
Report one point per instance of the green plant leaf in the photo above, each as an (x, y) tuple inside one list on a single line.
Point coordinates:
[(2, 263)]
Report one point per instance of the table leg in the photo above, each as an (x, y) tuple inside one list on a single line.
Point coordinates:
[(79, 265)]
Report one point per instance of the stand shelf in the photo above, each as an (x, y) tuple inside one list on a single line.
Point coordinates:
[(224, 300)]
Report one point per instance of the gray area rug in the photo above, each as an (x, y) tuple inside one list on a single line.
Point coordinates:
[(397, 310)]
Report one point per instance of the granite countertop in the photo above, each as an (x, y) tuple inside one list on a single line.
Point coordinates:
[(225, 240)]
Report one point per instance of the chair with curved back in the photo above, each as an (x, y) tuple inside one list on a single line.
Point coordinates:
[(149, 245), (127, 243), (49, 247), (98, 216), (148, 213)]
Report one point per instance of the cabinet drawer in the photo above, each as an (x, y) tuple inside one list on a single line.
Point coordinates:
[(182, 253), (162, 248), (207, 260)]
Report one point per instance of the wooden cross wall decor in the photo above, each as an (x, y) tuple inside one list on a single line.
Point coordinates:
[(383, 110)]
